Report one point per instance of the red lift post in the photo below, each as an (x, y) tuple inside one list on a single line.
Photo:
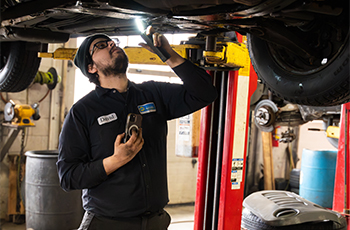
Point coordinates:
[(341, 197), (241, 88), (241, 85)]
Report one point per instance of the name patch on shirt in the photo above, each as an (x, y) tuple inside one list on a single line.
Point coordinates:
[(147, 108), (107, 118)]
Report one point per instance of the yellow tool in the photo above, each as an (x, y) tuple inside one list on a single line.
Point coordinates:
[(17, 114), (51, 78)]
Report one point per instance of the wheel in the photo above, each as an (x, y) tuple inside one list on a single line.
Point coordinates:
[(321, 80), (253, 222), (19, 64)]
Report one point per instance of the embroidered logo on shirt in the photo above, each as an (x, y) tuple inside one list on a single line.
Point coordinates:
[(107, 118), (147, 108)]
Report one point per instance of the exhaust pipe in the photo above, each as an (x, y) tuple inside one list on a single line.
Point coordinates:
[(10, 34)]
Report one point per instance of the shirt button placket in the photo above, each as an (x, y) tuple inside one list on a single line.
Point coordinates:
[(144, 168)]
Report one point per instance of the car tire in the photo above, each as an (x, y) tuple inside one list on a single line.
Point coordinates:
[(322, 86), (19, 64)]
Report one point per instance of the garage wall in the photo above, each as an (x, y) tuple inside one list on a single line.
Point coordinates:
[(44, 136), (312, 140), (182, 172)]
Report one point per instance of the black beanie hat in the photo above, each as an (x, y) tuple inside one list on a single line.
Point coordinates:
[(83, 58)]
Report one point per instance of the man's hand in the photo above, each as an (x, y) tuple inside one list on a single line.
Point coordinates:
[(123, 152), (159, 40)]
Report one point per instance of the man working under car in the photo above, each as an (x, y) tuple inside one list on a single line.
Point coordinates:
[(124, 184)]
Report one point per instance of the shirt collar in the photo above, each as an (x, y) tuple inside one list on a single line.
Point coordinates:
[(100, 91)]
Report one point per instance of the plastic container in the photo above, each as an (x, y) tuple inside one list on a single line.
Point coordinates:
[(317, 176), (48, 206)]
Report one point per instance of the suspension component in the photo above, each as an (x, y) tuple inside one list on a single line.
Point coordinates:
[(265, 115)]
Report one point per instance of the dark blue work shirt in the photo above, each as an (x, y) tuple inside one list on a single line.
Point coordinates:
[(92, 125)]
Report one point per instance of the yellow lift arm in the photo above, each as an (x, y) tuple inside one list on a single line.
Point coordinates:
[(60, 53), (229, 54)]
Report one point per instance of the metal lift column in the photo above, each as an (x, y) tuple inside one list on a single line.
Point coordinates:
[(341, 197), (220, 191)]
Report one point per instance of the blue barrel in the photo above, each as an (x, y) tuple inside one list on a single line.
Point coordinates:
[(317, 176)]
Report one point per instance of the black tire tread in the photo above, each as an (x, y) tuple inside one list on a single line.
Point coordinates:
[(22, 67)]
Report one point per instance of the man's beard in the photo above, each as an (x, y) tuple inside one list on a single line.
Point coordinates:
[(119, 65)]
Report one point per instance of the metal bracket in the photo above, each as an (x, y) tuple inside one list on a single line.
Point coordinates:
[(9, 141)]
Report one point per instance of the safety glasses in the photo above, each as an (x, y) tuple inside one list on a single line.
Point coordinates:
[(103, 44)]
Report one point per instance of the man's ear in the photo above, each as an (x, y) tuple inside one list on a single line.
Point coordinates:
[(92, 68)]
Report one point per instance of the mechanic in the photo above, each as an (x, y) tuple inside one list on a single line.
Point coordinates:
[(125, 184)]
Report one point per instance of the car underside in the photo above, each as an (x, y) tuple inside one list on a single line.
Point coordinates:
[(299, 49)]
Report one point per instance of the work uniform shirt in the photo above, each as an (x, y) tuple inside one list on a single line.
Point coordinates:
[(90, 130)]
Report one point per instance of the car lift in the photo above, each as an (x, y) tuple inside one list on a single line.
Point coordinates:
[(224, 127)]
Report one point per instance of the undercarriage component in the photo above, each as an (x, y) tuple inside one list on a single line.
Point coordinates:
[(287, 136), (265, 115), (264, 8), (29, 7), (32, 35), (248, 2)]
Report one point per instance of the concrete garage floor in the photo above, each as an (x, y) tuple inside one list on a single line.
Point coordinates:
[(182, 217)]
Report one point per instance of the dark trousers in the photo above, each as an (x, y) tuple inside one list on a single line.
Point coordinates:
[(151, 221)]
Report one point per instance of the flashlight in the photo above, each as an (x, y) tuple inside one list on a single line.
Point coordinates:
[(160, 51)]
